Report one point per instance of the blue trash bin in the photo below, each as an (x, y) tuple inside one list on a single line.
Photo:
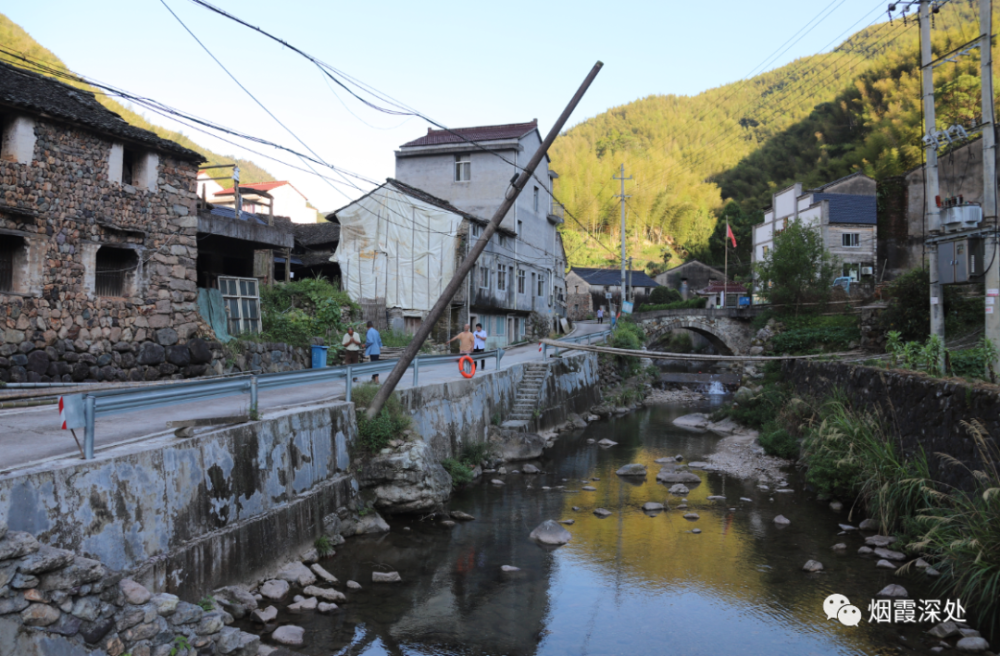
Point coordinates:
[(319, 356)]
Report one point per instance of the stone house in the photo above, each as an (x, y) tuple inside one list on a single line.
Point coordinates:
[(587, 290), (99, 242), (521, 278), (689, 277), (844, 211)]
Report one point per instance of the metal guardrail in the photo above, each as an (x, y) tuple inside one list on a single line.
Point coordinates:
[(585, 338), (82, 410)]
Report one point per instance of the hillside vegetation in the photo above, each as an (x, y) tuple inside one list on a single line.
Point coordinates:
[(13, 37), (815, 120)]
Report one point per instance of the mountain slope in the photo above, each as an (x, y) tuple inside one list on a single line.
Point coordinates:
[(15, 38), (815, 119)]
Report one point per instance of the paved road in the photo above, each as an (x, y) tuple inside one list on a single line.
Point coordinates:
[(30, 435)]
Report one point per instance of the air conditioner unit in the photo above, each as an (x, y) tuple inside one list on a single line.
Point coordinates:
[(866, 271)]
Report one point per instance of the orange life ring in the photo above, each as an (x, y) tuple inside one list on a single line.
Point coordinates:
[(461, 366)]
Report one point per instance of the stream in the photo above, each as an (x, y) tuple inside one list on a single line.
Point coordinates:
[(633, 583)]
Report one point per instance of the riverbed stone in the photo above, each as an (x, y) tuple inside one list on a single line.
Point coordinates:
[(868, 525), (781, 520), (514, 445), (308, 603), (275, 589), (550, 532), (406, 480), (497, 482), (972, 645), (696, 531), (812, 566), (589, 488), (387, 577), (237, 601), (652, 506), (692, 516), (889, 554), (864, 551), (461, 516), (893, 591), (836, 506), (884, 564), (353, 585), (679, 489), (602, 512), (665, 476), (695, 421), (326, 594), (321, 572), (290, 635), (945, 629), (633, 469), (840, 546), (265, 615), (296, 572), (326, 607), (879, 540), (607, 443), (531, 469)]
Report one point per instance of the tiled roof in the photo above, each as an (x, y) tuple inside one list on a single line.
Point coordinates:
[(310, 234), (730, 288), (257, 186), (482, 133), (613, 277), (38, 94), (849, 208), (839, 180)]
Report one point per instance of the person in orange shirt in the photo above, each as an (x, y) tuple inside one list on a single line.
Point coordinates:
[(466, 341)]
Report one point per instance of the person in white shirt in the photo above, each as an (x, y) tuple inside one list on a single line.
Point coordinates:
[(600, 315), (480, 344)]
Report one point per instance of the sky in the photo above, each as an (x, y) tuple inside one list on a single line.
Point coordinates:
[(459, 63)]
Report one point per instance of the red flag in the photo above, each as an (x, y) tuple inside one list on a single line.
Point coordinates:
[(729, 233)]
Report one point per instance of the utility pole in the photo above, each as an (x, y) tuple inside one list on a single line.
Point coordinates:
[(631, 287), (992, 251), (470, 260), (932, 190), (623, 197)]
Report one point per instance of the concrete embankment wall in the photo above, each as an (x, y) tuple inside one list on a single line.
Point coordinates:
[(451, 414), (925, 413), (190, 515), (187, 516)]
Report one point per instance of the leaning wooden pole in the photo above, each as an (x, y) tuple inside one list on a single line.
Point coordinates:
[(470, 260)]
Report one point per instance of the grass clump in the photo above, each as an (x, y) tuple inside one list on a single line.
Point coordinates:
[(777, 441), (207, 604), (461, 474), (392, 420), (323, 545), (963, 535)]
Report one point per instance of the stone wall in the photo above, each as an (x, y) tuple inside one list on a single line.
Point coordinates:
[(447, 415), (186, 516), (926, 413), (54, 602), (266, 357), (63, 207)]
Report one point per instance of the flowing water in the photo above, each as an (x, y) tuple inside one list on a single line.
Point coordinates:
[(632, 583)]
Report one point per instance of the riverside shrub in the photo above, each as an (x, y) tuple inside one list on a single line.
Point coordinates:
[(376, 433)]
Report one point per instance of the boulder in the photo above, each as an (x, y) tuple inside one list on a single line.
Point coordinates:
[(296, 572), (606, 443), (868, 525), (275, 590), (325, 607), (781, 520), (840, 546), (166, 336), (812, 566), (386, 577), (864, 551), (306, 604), (576, 420), (461, 516), (602, 513), (946, 629), (692, 516), (884, 564), (679, 489), (150, 353), (353, 585), (17, 544), (634, 469), (265, 615), (406, 480), (236, 600), (889, 554), (326, 594), (44, 560), (178, 354), (530, 469), (879, 540), (695, 421), (200, 351), (550, 532), (134, 592), (667, 476), (836, 506), (372, 522), (973, 645), (652, 506), (289, 635), (513, 445)]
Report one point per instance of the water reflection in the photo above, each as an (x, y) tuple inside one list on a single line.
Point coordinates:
[(634, 583)]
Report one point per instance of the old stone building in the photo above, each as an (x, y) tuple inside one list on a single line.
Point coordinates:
[(98, 241)]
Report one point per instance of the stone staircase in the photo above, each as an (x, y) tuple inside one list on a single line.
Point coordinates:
[(528, 392)]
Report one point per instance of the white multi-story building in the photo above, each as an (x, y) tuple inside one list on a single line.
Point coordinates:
[(844, 211)]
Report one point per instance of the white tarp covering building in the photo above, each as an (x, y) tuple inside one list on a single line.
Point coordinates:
[(397, 245)]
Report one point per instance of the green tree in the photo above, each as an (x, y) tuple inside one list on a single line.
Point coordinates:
[(797, 271)]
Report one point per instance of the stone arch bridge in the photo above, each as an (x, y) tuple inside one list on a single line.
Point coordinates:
[(729, 330)]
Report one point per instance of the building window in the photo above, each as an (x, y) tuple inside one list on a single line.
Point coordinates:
[(500, 327), (12, 259), (520, 281), (535, 199), (503, 241), (113, 269), (850, 240), (463, 168), (477, 230), (520, 228), (766, 250), (242, 299), (501, 277), (484, 277), (128, 166), (541, 284)]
